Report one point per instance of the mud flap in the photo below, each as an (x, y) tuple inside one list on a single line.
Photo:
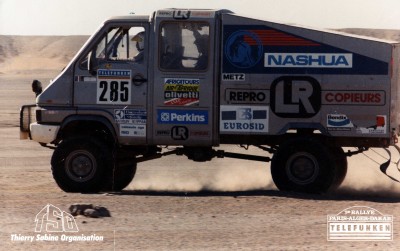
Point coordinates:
[(385, 165)]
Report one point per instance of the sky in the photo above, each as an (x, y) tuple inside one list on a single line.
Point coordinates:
[(83, 17)]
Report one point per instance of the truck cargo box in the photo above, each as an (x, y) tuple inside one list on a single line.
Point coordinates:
[(342, 85)]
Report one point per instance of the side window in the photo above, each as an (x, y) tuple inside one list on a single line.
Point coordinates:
[(118, 44), (184, 45)]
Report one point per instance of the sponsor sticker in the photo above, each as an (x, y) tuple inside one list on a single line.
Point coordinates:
[(163, 133), (114, 86), (359, 223), (353, 97), (130, 116), (200, 134), (233, 76), (132, 123), (192, 117), (182, 14), (165, 13), (202, 14), (266, 50), (377, 127), (131, 130), (253, 119), (181, 91), (243, 49), (179, 133), (246, 96), (339, 122), (295, 97), (309, 60)]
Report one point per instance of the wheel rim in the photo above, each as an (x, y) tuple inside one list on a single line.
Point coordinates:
[(302, 168), (80, 166)]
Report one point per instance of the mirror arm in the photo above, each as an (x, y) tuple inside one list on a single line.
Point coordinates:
[(92, 62)]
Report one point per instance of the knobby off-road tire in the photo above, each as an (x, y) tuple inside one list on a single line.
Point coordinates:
[(80, 164), (122, 172), (341, 164), (306, 165), (88, 165)]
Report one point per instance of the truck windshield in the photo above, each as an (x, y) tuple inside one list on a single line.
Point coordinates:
[(184, 46)]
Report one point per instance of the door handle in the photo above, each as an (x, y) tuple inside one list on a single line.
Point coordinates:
[(138, 80)]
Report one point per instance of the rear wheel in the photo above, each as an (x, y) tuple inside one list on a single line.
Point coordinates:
[(304, 165), (341, 163), (79, 164)]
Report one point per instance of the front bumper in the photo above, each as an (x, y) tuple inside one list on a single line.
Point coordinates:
[(31, 129), (43, 133)]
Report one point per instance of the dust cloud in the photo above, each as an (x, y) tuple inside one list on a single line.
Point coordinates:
[(364, 177), (177, 174)]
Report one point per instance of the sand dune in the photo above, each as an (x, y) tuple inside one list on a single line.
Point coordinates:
[(37, 54)]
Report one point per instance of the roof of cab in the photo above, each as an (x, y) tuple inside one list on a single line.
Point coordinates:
[(189, 13), (145, 18)]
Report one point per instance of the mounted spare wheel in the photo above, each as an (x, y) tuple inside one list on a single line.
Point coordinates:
[(305, 165), (80, 164)]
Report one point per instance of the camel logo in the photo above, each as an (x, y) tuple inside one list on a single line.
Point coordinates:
[(52, 220)]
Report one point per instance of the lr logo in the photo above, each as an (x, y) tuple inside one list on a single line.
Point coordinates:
[(181, 14), (51, 219), (295, 97), (179, 133)]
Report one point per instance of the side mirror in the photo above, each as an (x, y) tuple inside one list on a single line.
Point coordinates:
[(92, 62), (37, 87)]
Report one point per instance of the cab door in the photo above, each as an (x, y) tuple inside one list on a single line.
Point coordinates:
[(112, 80), (184, 95)]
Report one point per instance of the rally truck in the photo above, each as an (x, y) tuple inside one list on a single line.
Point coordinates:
[(188, 81)]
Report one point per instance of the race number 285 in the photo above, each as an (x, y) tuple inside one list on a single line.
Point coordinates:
[(113, 90)]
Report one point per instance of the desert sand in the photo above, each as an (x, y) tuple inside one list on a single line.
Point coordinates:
[(173, 203)]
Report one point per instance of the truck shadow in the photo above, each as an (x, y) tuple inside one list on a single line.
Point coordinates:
[(340, 195)]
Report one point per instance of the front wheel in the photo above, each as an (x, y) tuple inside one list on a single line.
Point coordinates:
[(304, 165), (80, 164), (122, 172)]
